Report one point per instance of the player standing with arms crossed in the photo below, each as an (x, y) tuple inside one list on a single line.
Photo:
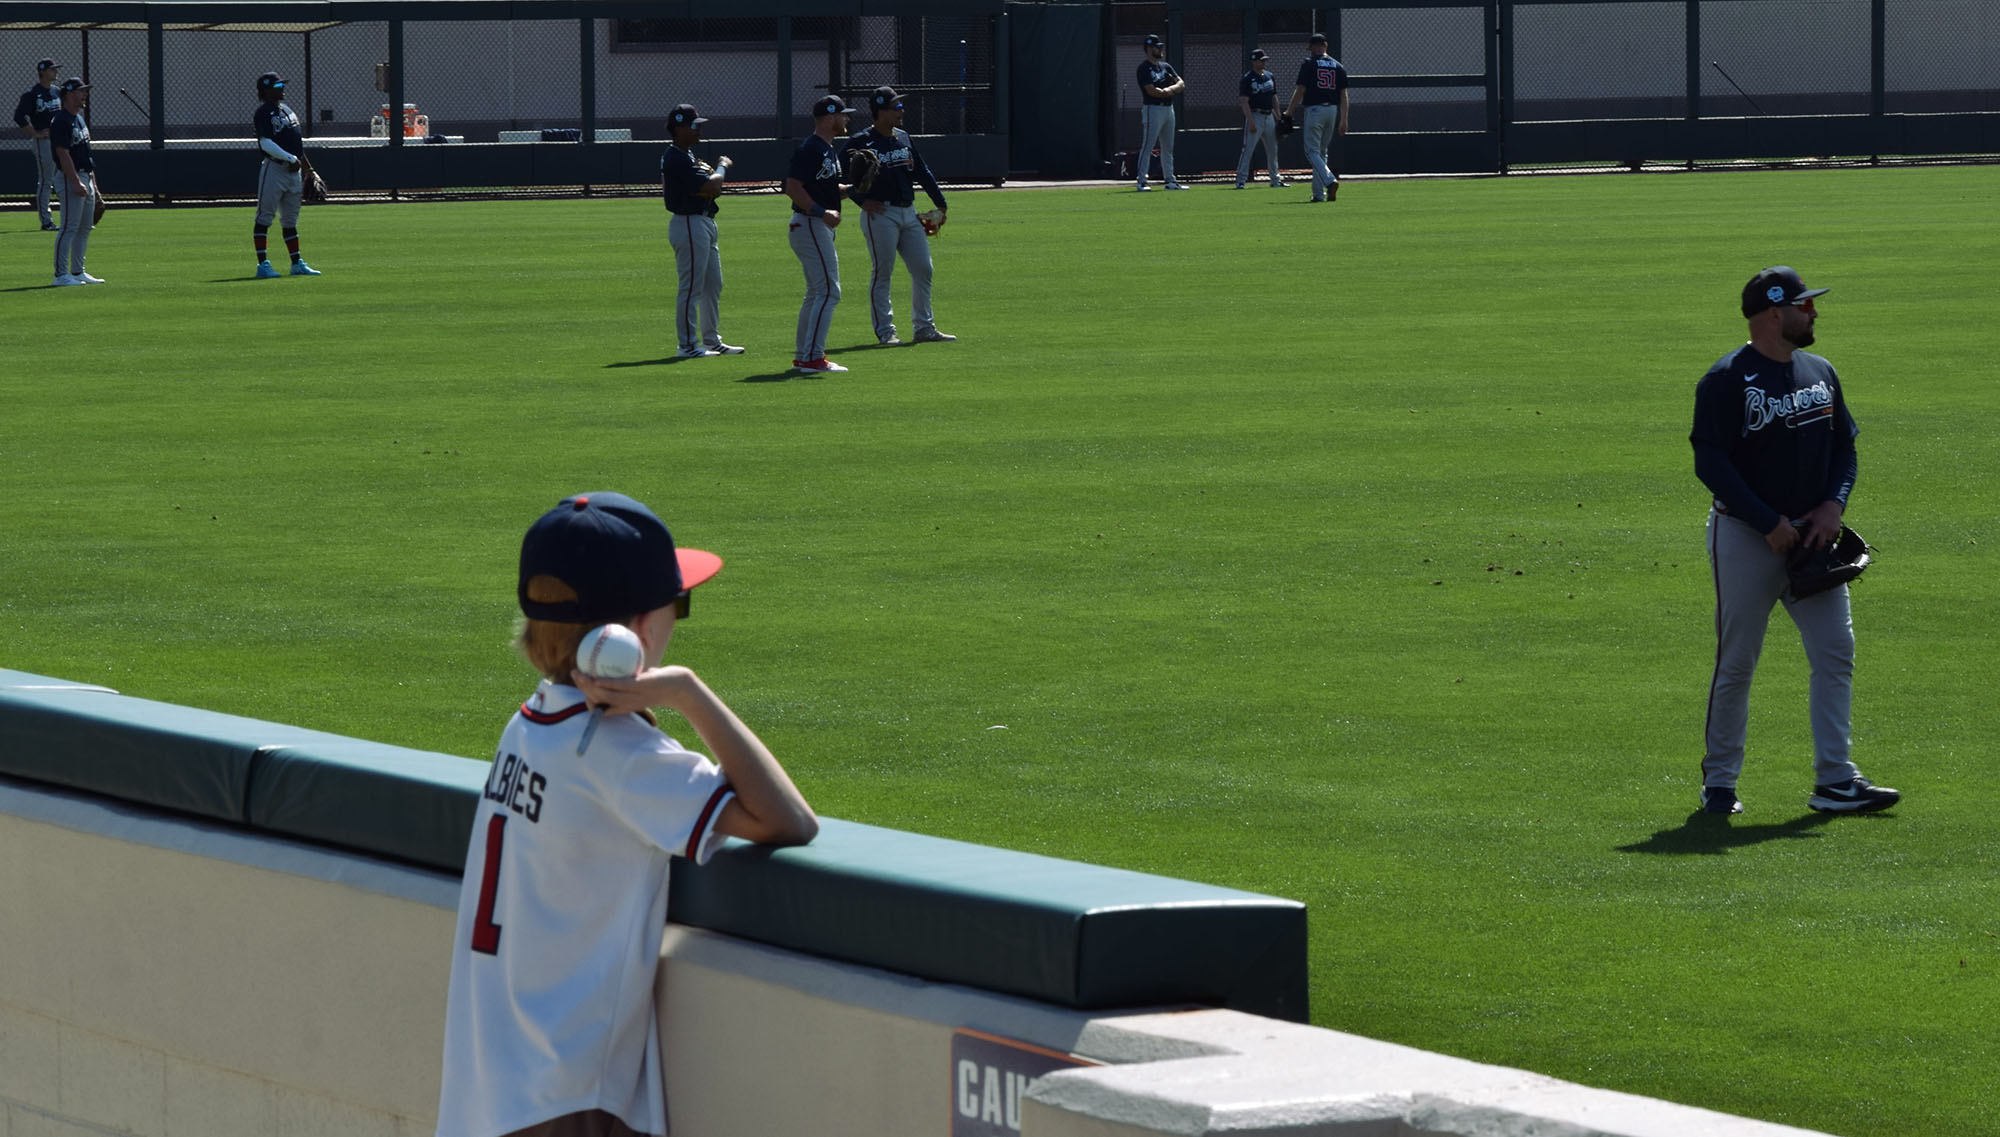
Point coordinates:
[(889, 219), (1257, 95), (1322, 86), (37, 108), (550, 1024), (281, 182), (1774, 444), (812, 181), (69, 140), (1158, 84), (691, 186)]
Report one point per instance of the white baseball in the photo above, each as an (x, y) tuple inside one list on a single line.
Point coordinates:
[(612, 651)]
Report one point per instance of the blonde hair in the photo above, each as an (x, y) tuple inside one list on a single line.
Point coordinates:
[(550, 646)]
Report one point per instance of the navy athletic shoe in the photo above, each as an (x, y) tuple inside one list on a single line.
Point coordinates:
[(1719, 799), (1858, 795)]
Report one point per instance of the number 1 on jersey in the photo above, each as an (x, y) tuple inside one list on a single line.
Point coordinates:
[(486, 933)]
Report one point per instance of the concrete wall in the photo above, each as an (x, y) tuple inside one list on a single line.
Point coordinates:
[(172, 978)]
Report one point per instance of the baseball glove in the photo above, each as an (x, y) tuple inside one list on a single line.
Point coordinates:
[(863, 163), (98, 213), (1814, 571), (315, 187), (1286, 126), (932, 220)]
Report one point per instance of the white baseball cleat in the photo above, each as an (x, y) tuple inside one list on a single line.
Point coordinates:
[(932, 335), (720, 348), (691, 353), (820, 366), (86, 278)]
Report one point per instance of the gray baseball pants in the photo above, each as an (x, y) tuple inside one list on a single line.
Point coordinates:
[(279, 192), (1320, 122), (698, 295), (892, 232), (1749, 580), (78, 211), (1267, 134), (1156, 127), (812, 243), (48, 177)]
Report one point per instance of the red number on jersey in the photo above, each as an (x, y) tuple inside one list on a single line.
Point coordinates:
[(1326, 80), (486, 933)]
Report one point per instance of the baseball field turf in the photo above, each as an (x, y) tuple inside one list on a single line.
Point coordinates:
[(1350, 553)]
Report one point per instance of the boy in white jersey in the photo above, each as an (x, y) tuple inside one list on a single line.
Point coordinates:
[(549, 1027)]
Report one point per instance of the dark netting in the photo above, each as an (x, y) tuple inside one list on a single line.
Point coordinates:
[(491, 80), (1423, 41), (211, 83), (112, 59), (1941, 56), (943, 66), (1784, 57), (1599, 61)]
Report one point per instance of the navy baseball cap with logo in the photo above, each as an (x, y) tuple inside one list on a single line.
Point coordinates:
[(1155, 41), (1260, 53), (615, 553), (685, 115), (46, 65), (270, 81), (830, 104), (884, 98), (1779, 284), (74, 83)]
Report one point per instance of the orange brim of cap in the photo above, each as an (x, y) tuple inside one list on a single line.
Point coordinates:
[(696, 566)]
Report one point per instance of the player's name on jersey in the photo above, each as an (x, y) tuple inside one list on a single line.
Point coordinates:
[(512, 781)]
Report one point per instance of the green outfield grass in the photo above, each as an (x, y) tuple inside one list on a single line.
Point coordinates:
[(1350, 553)]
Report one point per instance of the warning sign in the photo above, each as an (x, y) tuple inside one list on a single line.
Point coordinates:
[(988, 1074)]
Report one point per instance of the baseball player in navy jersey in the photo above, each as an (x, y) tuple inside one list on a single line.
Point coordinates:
[(1257, 95), (691, 186), (1322, 88), (550, 1024), (69, 140), (889, 220), (1774, 444), (281, 180), (37, 108), (812, 181), (1158, 84)]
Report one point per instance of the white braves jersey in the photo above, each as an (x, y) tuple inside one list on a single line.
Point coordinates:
[(560, 919)]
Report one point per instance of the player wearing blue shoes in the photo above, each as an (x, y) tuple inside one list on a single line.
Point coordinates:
[(281, 181)]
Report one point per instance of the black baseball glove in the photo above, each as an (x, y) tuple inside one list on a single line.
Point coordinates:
[(863, 163), (1814, 571), (1285, 125), (314, 188)]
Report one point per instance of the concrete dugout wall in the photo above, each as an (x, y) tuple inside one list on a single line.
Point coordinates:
[(166, 974)]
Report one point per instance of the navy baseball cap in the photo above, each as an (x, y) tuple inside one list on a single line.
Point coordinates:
[(685, 115), (1260, 53), (1155, 41), (885, 98), (74, 83), (615, 553), (1316, 37), (272, 81), (46, 65), (1776, 286), (830, 104)]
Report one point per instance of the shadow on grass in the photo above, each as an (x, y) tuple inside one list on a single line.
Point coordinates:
[(1712, 834), (785, 376)]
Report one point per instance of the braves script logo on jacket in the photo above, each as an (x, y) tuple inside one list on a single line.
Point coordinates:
[(1802, 407)]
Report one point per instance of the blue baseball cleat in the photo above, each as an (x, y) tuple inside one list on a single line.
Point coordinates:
[(266, 271), (301, 268)]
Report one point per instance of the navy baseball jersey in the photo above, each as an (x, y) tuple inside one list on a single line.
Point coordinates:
[(37, 108), (1161, 74), (902, 169), (681, 174), (1261, 90), (276, 122), (817, 168), (68, 132), (1772, 438), (1324, 79)]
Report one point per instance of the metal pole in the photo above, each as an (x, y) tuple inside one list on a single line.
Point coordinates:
[(156, 82), (308, 38), (784, 125), (1499, 77), (1694, 74), (587, 56), (1878, 77), (395, 91)]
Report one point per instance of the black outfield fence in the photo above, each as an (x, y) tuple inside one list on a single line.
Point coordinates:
[(431, 95)]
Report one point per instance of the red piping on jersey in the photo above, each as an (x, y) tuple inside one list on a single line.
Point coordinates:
[(707, 814), (550, 718)]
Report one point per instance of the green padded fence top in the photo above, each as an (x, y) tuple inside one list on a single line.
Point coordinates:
[(1061, 932)]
